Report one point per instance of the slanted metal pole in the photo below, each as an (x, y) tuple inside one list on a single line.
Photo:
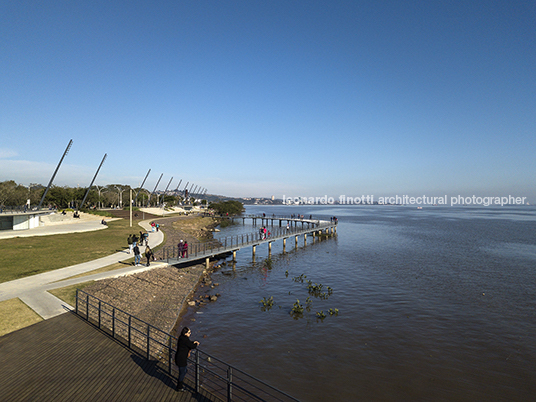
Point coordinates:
[(142, 183), (166, 189), (94, 177), (157, 183), (54, 175), (178, 185)]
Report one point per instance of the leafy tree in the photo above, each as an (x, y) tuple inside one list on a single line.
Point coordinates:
[(59, 196), (13, 194), (227, 207)]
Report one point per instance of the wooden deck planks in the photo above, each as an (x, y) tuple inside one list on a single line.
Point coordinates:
[(66, 358)]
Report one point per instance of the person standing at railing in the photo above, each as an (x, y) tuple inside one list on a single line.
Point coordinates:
[(184, 346), (180, 248), (185, 250)]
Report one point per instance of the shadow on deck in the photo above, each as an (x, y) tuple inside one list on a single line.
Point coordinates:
[(68, 359)]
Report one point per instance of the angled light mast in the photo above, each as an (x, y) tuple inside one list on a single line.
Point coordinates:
[(94, 177), (157, 183), (141, 186), (167, 188), (54, 175)]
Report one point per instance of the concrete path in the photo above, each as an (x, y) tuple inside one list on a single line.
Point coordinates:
[(33, 290), (83, 226)]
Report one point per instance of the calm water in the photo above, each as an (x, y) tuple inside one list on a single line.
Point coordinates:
[(434, 304)]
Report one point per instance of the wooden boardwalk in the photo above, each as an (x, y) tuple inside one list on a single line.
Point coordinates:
[(68, 359), (231, 244)]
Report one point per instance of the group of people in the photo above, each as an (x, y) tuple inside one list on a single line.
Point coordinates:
[(263, 233), (134, 243), (183, 249), (294, 216)]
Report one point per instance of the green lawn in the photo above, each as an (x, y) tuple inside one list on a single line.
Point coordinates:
[(25, 256), (14, 315), (68, 294)]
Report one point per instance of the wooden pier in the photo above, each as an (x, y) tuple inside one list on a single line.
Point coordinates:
[(294, 227), (68, 359)]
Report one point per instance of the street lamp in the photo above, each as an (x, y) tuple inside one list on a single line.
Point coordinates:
[(99, 189), (120, 197)]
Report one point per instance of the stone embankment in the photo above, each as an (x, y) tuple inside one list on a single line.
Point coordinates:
[(160, 296)]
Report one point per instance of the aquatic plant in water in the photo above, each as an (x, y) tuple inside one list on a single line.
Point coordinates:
[(267, 303), (297, 309)]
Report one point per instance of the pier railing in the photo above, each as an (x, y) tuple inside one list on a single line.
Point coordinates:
[(224, 381), (23, 209), (232, 243)]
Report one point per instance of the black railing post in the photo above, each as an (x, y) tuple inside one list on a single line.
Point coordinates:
[(99, 313), (87, 307), (229, 384), (170, 353), (113, 323), (148, 340), (129, 331), (76, 301), (197, 371)]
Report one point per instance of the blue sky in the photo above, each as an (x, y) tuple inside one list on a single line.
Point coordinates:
[(261, 98)]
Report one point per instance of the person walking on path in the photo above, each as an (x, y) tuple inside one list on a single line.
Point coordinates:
[(137, 256), (184, 346), (149, 255), (130, 243)]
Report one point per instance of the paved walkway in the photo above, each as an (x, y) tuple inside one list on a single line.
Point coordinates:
[(62, 228), (33, 290)]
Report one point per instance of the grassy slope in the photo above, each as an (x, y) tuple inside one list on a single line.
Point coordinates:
[(27, 256), (14, 315)]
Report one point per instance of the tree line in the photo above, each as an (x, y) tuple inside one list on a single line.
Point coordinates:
[(109, 196)]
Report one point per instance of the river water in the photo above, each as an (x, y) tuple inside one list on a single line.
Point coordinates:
[(435, 304)]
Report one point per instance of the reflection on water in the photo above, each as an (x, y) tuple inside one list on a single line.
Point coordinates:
[(435, 304)]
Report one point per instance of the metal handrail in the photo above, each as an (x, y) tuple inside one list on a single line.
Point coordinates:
[(107, 317), (9, 209), (234, 242)]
